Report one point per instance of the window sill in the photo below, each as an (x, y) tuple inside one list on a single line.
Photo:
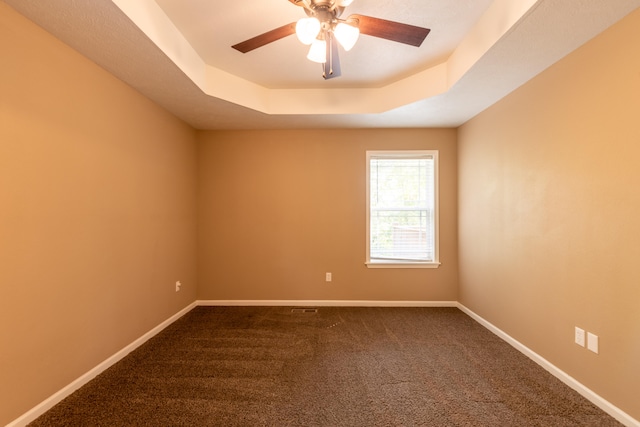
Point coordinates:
[(392, 264)]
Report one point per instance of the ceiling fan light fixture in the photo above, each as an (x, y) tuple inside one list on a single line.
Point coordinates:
[(318, 51), (307, 29), (344, 3), (346, 34)]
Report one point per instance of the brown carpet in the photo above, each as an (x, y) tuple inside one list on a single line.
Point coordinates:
[(267, 366)]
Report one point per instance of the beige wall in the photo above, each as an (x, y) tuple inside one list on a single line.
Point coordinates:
[(550, 213), (97, 215), (278, 209)]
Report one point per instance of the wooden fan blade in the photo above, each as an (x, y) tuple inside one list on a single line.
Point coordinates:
[(266, 38), (390, 30)]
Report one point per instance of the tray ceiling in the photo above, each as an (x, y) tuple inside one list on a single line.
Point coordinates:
[(177, 53)]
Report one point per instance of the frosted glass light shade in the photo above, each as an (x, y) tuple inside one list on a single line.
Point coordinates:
[(344, 3), (347, 35), (307, 29), (318, 51)]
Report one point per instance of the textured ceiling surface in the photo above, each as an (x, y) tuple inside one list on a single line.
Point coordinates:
[(211, 29), (177, 53)]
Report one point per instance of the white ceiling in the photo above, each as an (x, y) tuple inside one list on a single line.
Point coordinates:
[(177, 53)]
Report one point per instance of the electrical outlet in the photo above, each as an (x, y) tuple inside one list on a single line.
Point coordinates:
[(327, 277), (592, 342), (579, 336), (178, 285)]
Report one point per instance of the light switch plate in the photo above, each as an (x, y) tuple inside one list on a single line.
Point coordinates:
[(592, 342), (579, 337)]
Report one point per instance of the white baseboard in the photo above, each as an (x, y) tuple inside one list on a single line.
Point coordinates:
[(325, 303), (56, 398), (594, 398)]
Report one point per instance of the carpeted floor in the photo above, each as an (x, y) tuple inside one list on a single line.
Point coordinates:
[(267, 366)]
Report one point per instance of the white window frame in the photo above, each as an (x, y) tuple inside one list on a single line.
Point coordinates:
[(404, 154)]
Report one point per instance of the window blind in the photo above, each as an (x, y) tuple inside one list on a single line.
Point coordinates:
[(402, 208)]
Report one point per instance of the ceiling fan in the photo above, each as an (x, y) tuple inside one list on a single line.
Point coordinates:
[(323, 30)]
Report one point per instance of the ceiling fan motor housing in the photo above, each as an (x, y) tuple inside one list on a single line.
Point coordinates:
[(324, 13), (313, 4)]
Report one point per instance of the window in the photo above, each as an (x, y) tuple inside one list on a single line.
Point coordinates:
[(402, 209)]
